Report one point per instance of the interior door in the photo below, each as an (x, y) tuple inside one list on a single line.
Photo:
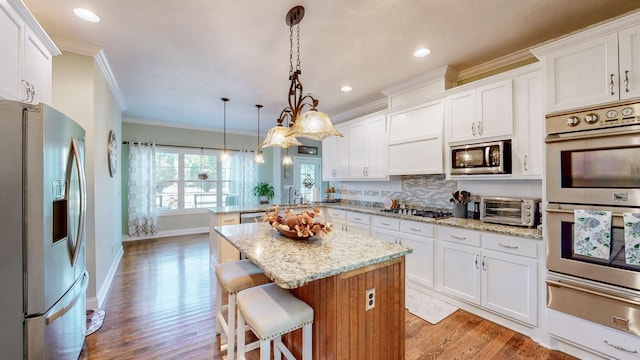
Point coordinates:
[(307, 174)]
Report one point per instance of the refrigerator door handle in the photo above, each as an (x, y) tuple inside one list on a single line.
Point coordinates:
[(74, 162)]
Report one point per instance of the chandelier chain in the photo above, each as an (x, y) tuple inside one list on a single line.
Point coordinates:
[(298, 54), (290, 50)]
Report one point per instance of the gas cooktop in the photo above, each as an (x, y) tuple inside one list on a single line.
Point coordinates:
[(428, 213)]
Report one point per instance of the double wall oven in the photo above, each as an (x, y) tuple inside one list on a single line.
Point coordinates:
[(593, 163)]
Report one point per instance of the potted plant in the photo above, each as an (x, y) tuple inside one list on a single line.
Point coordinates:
[(264, 191)]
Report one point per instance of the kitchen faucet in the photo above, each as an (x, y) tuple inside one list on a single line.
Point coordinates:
[(289, 195)]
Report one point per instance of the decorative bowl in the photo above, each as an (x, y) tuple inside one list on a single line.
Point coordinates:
[(292, 234)]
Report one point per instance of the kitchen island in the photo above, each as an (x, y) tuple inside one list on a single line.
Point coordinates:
[(335, 275)]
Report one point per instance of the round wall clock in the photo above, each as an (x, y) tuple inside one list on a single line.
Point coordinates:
[(112, 153)]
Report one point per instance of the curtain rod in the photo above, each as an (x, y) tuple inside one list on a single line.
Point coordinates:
[(182, 146)]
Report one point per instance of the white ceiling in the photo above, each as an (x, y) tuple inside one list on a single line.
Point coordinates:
[(174, 60)]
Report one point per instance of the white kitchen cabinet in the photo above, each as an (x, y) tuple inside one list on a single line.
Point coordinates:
[(220, 250), (11, 38), (419, 270), (368, 149), (529, 120), (415, 140), (335, 155), (593, 67), (37, 70), (419, 264), (497, 272), (26, 60), (358, 223), (337, 218), (459, 271), (480, 113), (629, 52)]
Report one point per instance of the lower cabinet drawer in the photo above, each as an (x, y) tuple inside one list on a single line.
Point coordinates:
[(417, 228), (461, 236), (510, 244)]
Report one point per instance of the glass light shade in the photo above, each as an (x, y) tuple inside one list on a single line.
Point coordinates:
[(279, 136), (258, 158), (287, 160), (225, 155), (313, 125)]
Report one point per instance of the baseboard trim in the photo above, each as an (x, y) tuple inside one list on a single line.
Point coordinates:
[(96, 302), (161, 234)]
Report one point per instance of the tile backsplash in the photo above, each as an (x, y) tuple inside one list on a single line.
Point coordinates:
[(430, 191), (417, 191)]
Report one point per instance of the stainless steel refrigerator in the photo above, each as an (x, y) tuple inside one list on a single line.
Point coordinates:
[(43, 275)]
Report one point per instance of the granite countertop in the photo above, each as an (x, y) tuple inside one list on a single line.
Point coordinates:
[(470, 224), (293, 263)]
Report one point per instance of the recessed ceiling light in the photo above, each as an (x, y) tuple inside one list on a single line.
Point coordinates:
[(421, 52), (87, 15), (346, 88)]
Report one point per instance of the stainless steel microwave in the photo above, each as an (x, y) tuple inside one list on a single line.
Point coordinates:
[(484, 158)]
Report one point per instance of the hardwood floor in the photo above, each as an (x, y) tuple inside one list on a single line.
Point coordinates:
[(161, 305)]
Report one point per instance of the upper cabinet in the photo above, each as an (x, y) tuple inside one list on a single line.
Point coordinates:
[(594, 66), (26, 60), (361, 154), (481, 113), (415, 140), (529, 121), (335, 155), (368, 148)]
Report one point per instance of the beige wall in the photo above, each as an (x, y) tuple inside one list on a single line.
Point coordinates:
[(80, 90)]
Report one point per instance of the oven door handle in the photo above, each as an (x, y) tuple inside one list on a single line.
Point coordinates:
[(592, 292), (563, 211)]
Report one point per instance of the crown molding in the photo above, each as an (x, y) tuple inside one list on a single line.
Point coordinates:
[(446, 72), (366, 109), (103, 63), (77, 47), (494, 64), (34, 26), (94, 51)]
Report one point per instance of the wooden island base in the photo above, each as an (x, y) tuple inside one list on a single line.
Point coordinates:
[(342, 328)]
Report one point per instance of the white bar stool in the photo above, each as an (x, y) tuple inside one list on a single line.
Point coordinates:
[(271, 311), (233, 277)]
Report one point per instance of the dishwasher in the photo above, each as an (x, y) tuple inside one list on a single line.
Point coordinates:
[(251, 217)]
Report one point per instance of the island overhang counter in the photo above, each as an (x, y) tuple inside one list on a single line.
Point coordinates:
[(335, 275)]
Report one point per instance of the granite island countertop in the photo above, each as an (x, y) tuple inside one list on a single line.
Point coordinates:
[(470, 224), (294, 263)]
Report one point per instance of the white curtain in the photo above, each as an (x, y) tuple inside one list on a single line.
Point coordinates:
[(143, 214), (247, 177)]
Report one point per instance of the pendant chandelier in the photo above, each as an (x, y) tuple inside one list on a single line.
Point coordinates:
[(258, 158), (313, 124), (287, 160), (225, 152)]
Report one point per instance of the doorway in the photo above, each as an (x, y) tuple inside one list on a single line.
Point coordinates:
[(307, 174)]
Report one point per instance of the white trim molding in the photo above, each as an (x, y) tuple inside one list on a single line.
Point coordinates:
[(103, 62), (167, 233), (100, 57), (96, 302), (33, 24)]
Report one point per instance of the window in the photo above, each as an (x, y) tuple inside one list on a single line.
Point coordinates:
[(191, 178)]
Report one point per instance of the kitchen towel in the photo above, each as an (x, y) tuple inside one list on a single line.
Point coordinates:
[(631, 238), (592, 233)]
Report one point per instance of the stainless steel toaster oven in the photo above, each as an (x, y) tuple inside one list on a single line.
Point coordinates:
[(510, 211)]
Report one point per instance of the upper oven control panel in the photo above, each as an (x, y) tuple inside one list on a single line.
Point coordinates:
[(593, 118)]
